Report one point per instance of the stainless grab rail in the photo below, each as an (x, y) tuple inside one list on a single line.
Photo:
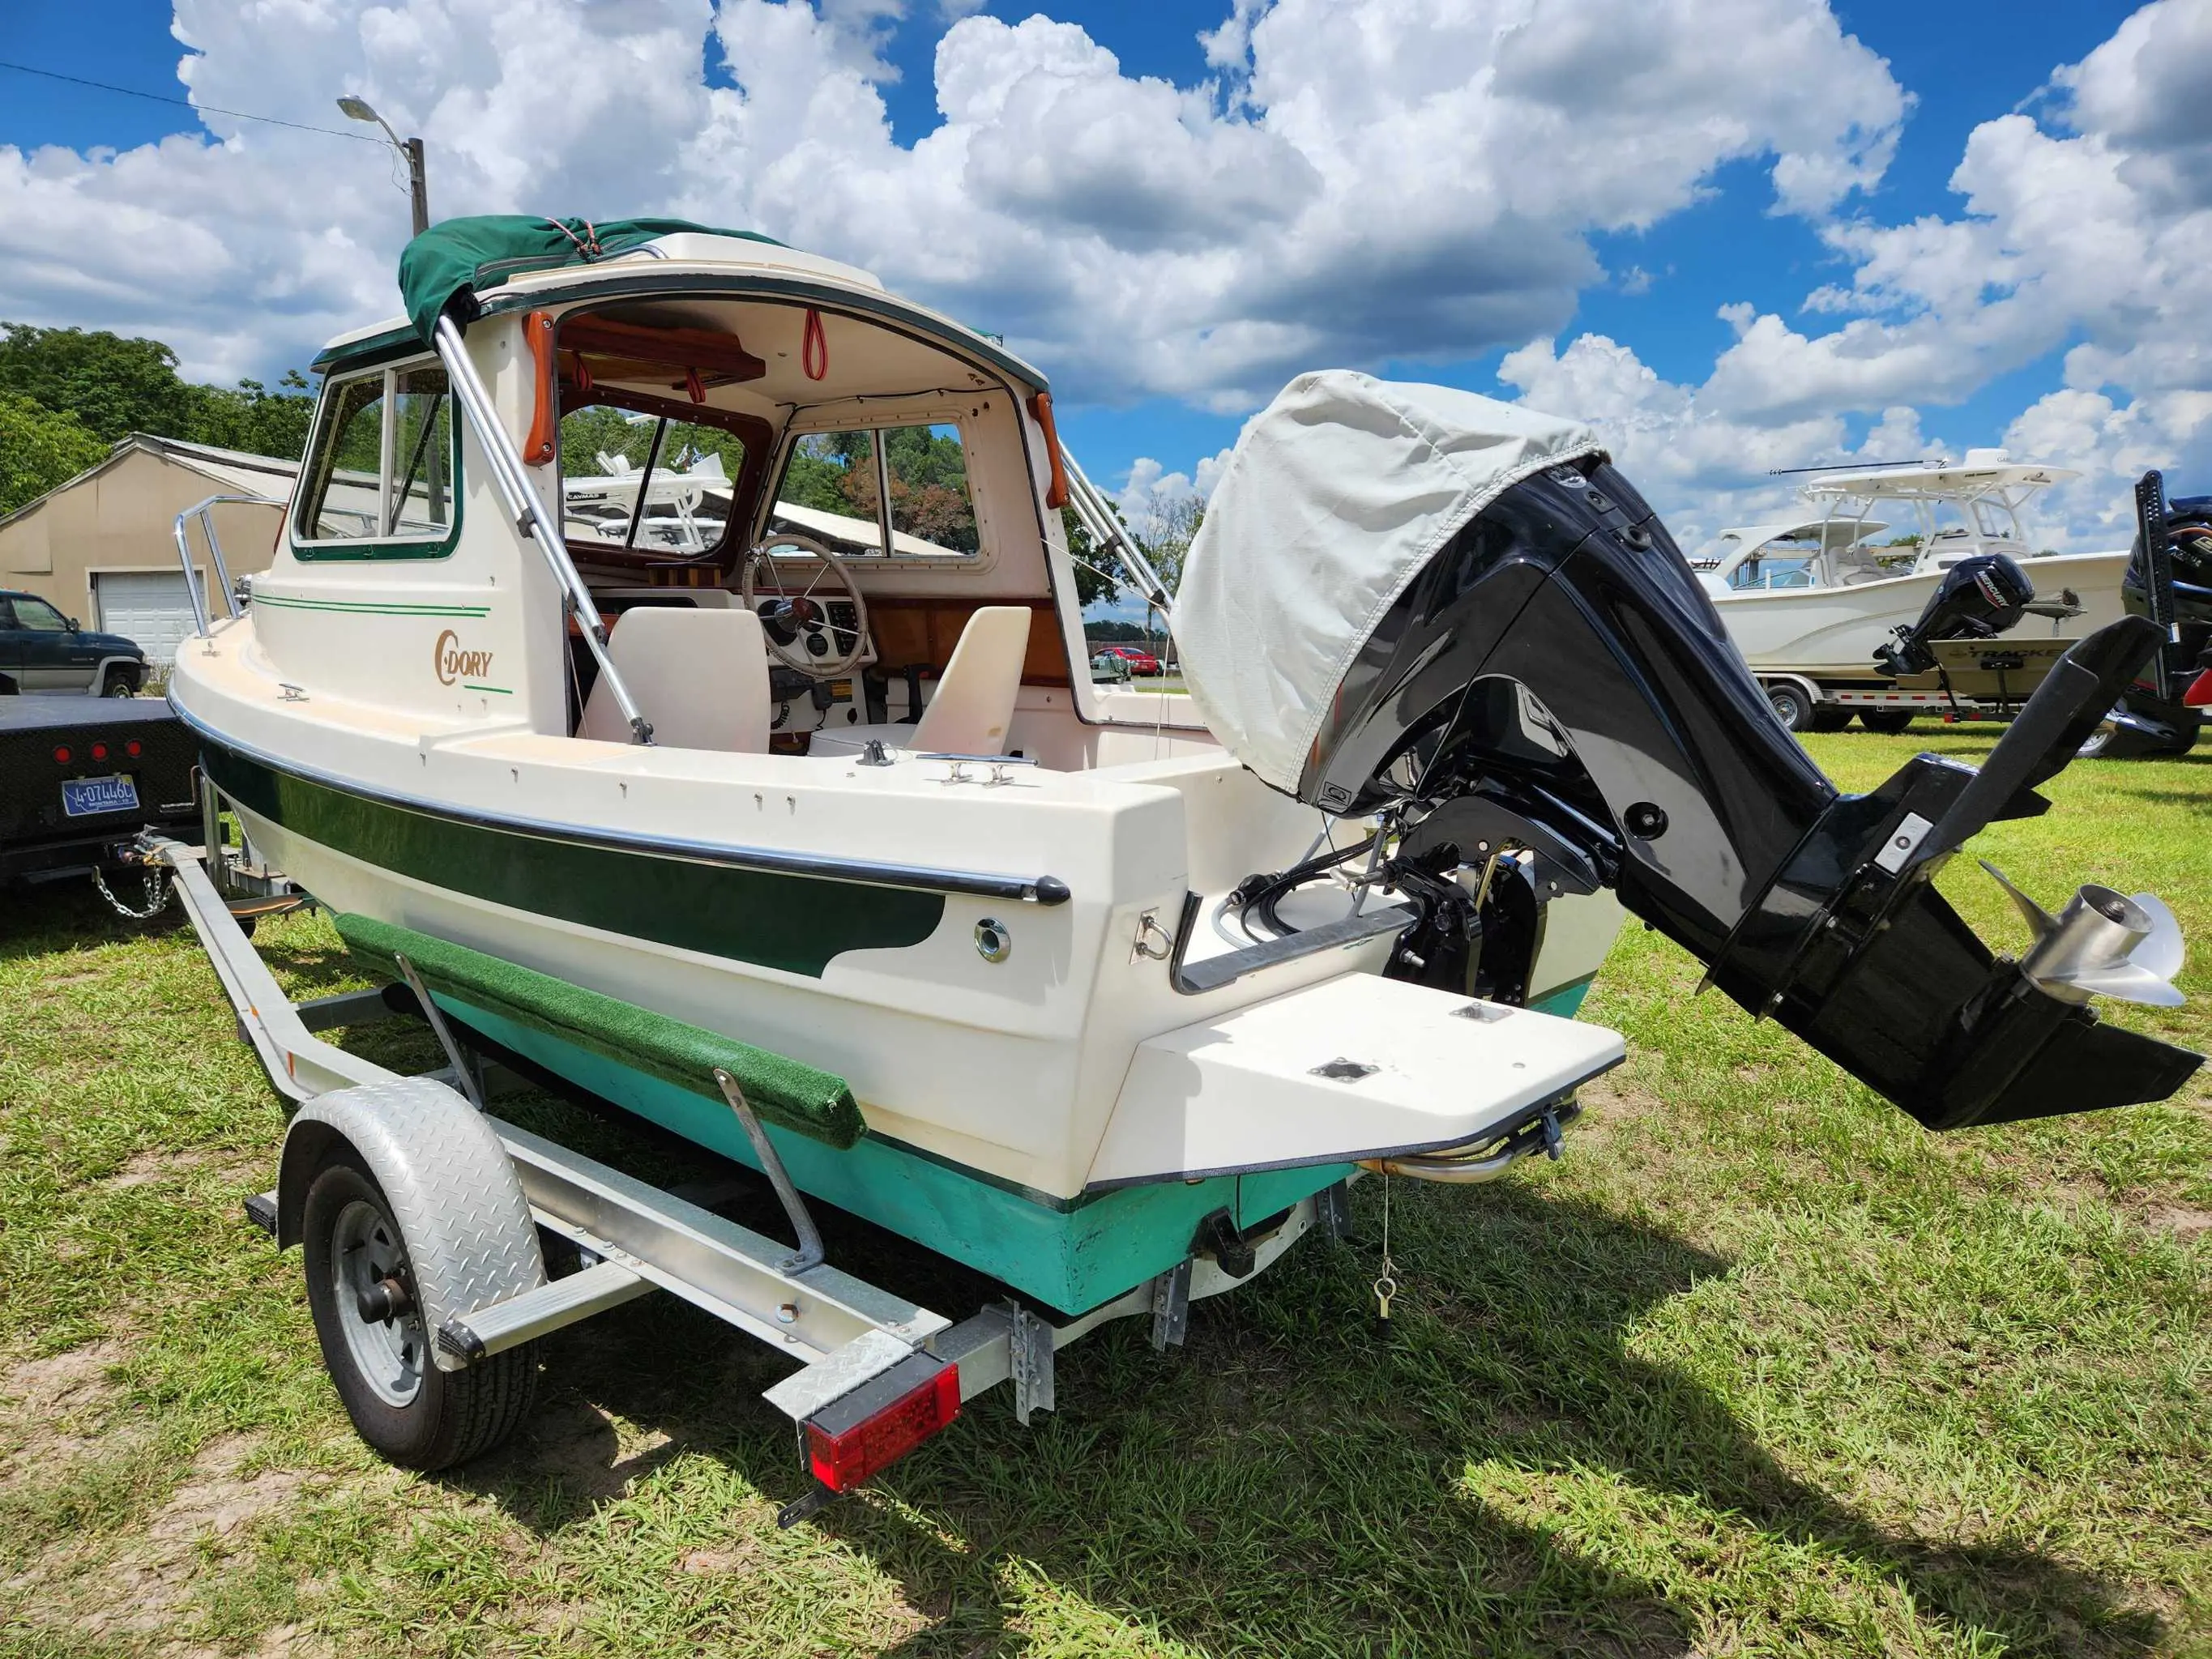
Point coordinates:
[(1105, 527), (204, 511), (531, 517)]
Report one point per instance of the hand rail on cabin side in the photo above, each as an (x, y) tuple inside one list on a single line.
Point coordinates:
[(530, 518), (203, 511)]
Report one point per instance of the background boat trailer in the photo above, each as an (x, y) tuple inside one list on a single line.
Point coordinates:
[(878, 1374)]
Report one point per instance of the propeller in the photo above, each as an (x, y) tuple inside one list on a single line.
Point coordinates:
[(2104, 943)]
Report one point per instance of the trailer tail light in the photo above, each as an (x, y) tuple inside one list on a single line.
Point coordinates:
[(62, 755), (99, 751), (134, 748), (882, 1420)]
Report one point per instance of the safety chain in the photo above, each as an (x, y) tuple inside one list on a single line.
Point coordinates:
[(156, 881), (1386, 1286)]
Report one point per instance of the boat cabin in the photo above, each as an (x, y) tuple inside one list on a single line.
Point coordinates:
[(859, 493)]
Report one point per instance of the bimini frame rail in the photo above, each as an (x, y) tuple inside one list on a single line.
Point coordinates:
[(203, 511), (1103, 526), (530, 516)]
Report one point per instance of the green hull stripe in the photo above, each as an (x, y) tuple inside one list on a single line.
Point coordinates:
[(793, 922), (1567, 1001), (363, 608), (1069, 1259), (501, 689)]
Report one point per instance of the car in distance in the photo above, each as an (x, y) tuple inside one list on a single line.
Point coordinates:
[(1140, 661), (42, 650)]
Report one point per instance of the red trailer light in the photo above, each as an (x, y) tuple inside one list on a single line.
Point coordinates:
[(134, 748), (881, 1421), (99, 751), (62, 755), (2200, 690)]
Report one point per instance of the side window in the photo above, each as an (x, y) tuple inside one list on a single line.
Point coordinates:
[(830, 492), (40, 617), (380, 478), (931, 514), (833, 490), (419, 505)]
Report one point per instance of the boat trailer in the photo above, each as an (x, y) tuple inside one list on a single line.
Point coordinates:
[(467, 1291)]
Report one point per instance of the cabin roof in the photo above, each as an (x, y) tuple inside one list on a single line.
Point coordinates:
[(695, 260)]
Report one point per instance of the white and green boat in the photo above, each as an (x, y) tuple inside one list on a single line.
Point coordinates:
[(674, 651)]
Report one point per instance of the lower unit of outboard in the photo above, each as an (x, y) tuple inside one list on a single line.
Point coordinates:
[(1546, 675)]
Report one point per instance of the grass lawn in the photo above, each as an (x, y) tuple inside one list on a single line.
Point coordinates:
[(1760, 1368)]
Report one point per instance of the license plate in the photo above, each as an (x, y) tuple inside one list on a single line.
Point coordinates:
[(84, 797)]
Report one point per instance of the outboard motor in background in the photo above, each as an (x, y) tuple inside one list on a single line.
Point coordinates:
[(1481, 636), (1978, 598), (2169, 581)]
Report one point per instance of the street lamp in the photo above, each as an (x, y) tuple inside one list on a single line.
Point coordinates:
[(419, 190)]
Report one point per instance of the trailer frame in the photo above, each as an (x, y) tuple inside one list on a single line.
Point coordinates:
[(632, 1238)]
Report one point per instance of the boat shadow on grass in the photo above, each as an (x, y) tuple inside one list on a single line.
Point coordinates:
[(1498, 1473)]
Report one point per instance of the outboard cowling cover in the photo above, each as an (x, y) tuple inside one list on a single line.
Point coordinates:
[(1456, 616), (1978, 598)]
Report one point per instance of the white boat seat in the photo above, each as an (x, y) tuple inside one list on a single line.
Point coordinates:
[(974, 703), (700, 676)]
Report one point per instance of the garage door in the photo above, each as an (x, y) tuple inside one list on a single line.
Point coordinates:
[(147, 606)]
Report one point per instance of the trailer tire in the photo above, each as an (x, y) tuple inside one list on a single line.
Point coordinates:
[(1791, 705), (1889, 721), (1828, 718), (409, 1411)]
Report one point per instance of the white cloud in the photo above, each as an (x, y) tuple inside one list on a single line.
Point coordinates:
[(2090, 233), (1704, 469), (1362, 181), (1154, 499), (1366, 179)]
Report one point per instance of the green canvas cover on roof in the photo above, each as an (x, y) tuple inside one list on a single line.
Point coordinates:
[(459, 257)]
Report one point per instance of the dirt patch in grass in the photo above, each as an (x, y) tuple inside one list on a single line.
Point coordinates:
[(33, 1390), (140, 1590), (2184, 1221)]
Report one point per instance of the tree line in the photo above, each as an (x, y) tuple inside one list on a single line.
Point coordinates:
[(68, 394)]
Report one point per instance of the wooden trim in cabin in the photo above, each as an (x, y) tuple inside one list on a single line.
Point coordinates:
[(921, 632)]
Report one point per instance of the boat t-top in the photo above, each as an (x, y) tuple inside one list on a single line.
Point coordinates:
[(1812, 601), (802, 832)]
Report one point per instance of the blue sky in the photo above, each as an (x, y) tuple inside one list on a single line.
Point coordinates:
[(1654, 294)]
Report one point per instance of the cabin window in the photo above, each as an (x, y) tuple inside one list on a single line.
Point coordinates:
[(381, 480), (834, 489), (647, 483)]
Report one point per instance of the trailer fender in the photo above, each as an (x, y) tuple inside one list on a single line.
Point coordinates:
[(467, 1227)]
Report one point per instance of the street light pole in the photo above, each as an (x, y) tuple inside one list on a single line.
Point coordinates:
[(418, 188)]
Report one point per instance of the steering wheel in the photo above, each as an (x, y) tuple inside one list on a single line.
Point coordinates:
[(798, 626)]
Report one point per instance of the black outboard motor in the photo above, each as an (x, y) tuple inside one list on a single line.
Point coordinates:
[(1978, 598), (1553, 678), (2169, 581)]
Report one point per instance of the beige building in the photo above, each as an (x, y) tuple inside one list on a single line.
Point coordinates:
[(102, 547)]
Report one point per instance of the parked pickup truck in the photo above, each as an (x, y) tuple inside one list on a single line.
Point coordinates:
[(81, 776), (42, 650)]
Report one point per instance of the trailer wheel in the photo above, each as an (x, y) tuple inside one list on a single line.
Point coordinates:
[(1791, 705), (1826, 718), (1889, 721), (362, 1292)]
